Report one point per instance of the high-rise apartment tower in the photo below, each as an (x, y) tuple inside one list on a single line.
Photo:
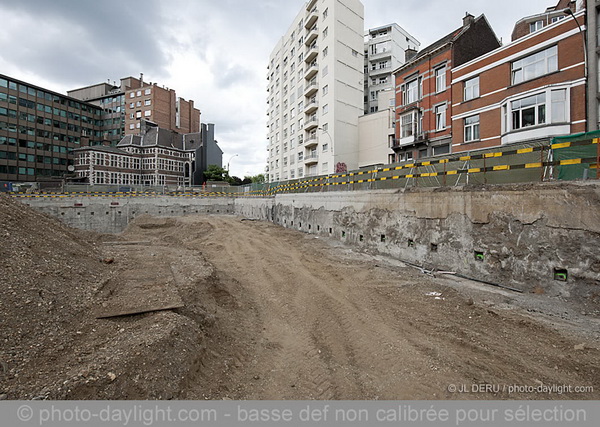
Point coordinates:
[(315, 91)]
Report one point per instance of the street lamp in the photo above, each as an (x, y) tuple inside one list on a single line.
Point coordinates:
[(235, 155), (327, 133)]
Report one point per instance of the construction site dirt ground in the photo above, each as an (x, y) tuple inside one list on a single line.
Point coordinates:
[(268, 313)]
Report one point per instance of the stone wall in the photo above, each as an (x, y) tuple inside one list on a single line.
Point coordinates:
[(541, 238)]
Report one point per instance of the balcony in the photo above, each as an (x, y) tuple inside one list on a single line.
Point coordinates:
[(311, 123), (311, 158), (311, 88), (380, 55), (311, 106), (311, 71), (311, 36), (311, 53), (311, 18), (311, 141), (378, 71)]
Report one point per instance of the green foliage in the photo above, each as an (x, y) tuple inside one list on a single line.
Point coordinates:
[(215, 173), (256, 179)]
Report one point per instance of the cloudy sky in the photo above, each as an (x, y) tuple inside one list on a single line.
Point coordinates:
[(214, 52)]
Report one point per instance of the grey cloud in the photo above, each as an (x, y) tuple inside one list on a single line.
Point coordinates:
[(95, 41)]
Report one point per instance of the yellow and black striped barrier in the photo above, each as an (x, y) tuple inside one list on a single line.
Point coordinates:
[(370, 176)]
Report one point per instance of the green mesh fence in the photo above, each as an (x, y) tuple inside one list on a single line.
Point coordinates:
[(536, 161)]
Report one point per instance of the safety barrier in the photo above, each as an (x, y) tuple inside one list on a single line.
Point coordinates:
[(532, 162)]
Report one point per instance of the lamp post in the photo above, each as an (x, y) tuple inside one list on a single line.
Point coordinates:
[(327, 133), (235, 155)]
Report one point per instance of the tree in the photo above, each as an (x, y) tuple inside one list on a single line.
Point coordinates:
[(215, 173), (256, 179)]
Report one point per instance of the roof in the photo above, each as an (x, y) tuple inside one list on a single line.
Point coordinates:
[(435, 46), (158, 137), (104, 148)]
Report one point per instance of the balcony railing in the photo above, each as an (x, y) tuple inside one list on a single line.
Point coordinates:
[(311, 158)]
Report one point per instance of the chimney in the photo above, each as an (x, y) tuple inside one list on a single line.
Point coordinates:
[(468, 19), (141, 79), (410, 53)]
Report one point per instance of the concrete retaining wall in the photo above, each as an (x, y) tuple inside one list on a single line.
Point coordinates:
[(111, 215), (530, 237), (535, 237)]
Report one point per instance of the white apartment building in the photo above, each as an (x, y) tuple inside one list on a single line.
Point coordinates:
[(315, 91), (385, 50)]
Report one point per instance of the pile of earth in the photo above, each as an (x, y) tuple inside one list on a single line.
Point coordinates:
[(52, 346)]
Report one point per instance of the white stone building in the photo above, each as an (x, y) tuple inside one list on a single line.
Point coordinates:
[(315, 91), (385, 50)]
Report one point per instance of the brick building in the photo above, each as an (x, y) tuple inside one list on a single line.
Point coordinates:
[(134, 99), (423, 95), (530, 89), (161, 106), (156, 157), (533, 23)]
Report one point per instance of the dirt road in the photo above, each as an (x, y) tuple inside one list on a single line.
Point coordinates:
[(298, 317)]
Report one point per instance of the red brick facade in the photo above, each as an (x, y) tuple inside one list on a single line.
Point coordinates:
[(530, 89), (161, 106), (534, 23), (423, 90)]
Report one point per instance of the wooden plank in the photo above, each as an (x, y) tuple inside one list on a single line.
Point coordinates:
[(139, 310), (126, 243)]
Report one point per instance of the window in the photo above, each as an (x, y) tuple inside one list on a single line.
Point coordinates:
[(559, 106), (325, 31), (440, 117), (557, 18), (325, 109), (535, 26), (325, 51), (440, 79), (411, 92), (147, 102), (528, 111), (408, 124), (325, 13), (472, 88), (325, 70), (535, 65), (441, 149), (472, 128), (147, 113), (147, 92), (325, 148), (325, 90)]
